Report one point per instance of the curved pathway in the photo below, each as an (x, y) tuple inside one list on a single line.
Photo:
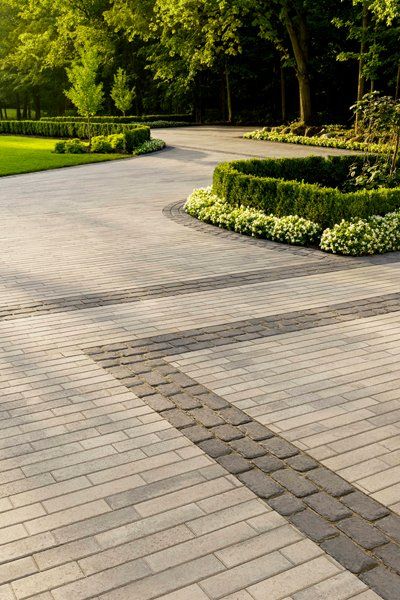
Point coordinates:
[(177, 401)]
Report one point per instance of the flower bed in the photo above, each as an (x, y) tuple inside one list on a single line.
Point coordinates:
[(354, 238), (307, 187), (321, 141)]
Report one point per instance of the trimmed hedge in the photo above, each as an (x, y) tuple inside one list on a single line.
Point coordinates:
[(307, 187), (119, 119), (67, 129)]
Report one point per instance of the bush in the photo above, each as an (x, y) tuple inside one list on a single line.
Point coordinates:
[(150, 146), (321, 141), (69, 129), (307, 187), (131, 141), (206, 206), (59, 148), (364, 236), (101, 144), (75, 146)]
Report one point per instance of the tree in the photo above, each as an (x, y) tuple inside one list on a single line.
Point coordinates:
[(85, 93), (121, 93)]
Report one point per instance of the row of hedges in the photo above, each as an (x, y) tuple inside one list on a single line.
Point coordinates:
[(323, 142), (72, 130), (307, 187), (118, 119)]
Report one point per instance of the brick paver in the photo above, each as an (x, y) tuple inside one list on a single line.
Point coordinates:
[(204, 465)]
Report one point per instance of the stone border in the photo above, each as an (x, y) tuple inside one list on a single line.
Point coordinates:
[(360, 533), (174, 288), (175, 212)]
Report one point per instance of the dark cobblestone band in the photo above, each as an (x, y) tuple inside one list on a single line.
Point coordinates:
[(176, 288), (360, 533)]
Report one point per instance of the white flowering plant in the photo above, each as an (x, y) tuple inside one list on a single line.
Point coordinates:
[(206, 206), (358, 237)]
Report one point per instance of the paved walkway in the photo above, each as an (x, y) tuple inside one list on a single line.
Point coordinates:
[(177, 402)]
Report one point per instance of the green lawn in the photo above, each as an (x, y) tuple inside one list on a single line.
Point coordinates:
[(23, 154)]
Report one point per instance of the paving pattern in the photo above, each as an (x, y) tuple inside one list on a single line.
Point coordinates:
[(188, 414)]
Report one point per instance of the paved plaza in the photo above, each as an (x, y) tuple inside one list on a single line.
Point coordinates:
[(188, 414)]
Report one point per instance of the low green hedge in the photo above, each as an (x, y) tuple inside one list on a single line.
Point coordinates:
[(316, 140), (307, 187), (119, 119), (67, 129)]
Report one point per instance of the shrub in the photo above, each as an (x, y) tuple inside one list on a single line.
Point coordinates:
[(75, 146), (321, 141), (364, 236), (206, 206), (71, 129), (307, 187), (101, 144), (59, 148), (117, 141), (150, 146)]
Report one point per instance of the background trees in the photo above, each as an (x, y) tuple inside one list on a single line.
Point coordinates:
[(224, 60)]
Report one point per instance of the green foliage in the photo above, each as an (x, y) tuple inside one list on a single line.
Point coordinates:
[(206, 206), (101, 144), (121, 93), (307, 187), (358, 237), (320, 141), (151, 146), (85, 93), (22, 154), (183, 119), (67, 129)]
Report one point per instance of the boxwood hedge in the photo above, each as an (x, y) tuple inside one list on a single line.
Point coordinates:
[(67, 129), (308, 187), (127, 119)]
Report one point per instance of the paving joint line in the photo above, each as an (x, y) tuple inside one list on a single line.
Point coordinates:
[(359, 532)]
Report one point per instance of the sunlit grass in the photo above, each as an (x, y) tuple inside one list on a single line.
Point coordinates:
[(24, 154)]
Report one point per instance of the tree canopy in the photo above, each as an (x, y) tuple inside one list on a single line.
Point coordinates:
[(224, 60)]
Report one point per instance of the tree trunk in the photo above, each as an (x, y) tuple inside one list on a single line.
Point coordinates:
[(38, 111), (397, 94), (228, 95), (298, 35), (89, 130), (17, 101), (361, 80), (283, 94), (25, 107), (5, 113)]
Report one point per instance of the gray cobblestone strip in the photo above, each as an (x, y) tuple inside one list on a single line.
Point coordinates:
[(360, 533), (175, 288)]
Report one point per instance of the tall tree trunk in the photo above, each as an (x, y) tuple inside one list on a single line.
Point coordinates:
[(361, 61), (25, 107), (228, 95), (18, 106), (1, 112), (397, 93), (5, 113), (283, 94), (37, 104), (298, 35)]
